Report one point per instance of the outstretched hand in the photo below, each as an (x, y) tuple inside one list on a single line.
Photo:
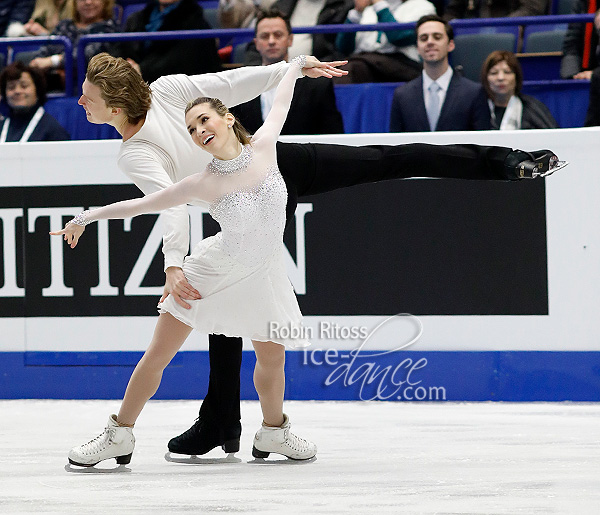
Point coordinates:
[(71, 233), (315, 68)]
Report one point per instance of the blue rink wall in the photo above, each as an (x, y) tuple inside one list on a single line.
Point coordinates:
[(321, 375)]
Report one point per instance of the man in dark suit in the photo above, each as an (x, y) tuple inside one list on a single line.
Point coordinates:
[(313, 109), (438, 100)]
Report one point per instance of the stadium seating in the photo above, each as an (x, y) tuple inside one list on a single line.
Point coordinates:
[(472, 49)]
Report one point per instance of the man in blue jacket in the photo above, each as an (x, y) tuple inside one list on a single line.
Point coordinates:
[(440, 99)]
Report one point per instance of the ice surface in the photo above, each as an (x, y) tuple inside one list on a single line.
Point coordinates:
[(373, 457)]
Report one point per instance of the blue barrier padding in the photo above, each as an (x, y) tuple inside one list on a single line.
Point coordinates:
[(322, 375), (541, 67), (365, 108), (72, 117), (567, 100)]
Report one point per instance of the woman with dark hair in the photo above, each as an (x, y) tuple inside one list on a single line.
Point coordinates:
[(23, 91), (502, 79)]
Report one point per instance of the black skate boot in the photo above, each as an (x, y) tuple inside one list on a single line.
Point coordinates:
[(203, 437), (530, 165)]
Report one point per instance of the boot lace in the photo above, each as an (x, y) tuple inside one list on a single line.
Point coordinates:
[(192, 431), (98, 444), (295, 442)]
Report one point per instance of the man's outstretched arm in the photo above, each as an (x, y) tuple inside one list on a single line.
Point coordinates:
[(237, 86)]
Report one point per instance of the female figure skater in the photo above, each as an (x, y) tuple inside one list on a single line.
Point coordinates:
[(239, 272)]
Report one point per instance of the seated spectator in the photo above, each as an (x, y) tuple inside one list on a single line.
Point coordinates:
[(494, 8), (240, 14), (438, 100), (87, 17), (502, 79), (156, 58), (580, 46), (307, 13), (382, 56), (592, 118), (313, 109), (46, 15), (23, 93), (13, 17)]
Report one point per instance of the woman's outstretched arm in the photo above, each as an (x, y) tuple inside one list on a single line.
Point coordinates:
[(285, 92), (180, 193)]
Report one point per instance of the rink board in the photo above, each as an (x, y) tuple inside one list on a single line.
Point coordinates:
[(502, 279), (410, 376)]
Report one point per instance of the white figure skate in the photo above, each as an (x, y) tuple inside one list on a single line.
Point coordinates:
[(115, 442), (281, 440)]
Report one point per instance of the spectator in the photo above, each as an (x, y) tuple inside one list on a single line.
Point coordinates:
[(502, 79), (438, 100), (13, 16), (382, 56), (494, 8), (87, 17), (580, 46), (23, 93), (156, 58), (306, 13), (46, 15), (592, 118), (239, 14), (313, 109)]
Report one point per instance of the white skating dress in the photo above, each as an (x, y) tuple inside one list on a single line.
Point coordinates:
[(239, 272)]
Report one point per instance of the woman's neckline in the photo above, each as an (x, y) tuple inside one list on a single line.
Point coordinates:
[(231, 166)]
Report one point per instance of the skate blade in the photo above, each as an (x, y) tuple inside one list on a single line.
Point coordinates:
[(195, 460), (554, 167), (284, 460), (75, 469)]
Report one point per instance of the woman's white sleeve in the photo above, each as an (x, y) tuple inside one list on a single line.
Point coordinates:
[(180, 193)]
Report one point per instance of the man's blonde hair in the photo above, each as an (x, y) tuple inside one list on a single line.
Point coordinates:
[(120, 85)]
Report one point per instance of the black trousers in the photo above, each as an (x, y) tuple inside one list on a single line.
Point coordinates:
[(310, 169)]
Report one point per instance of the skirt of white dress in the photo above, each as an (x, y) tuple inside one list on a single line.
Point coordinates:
[(252, 302)]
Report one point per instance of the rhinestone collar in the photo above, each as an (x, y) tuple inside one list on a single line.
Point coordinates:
[(231, 166)]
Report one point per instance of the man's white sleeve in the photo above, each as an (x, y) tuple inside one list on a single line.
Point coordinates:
[(232, 87), (149, 176)]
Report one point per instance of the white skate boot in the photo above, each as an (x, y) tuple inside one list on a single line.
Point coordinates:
[(115, 442), (281, 440)]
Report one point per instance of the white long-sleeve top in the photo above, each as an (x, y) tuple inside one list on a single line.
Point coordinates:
[(162, 153), (207, 188)]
